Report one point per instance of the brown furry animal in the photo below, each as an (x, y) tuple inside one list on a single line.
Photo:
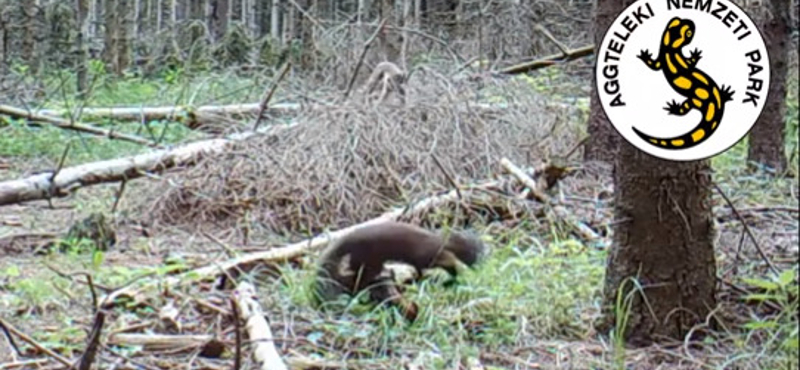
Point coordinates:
[(357, 260)]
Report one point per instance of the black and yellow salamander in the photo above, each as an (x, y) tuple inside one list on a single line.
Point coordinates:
[(682, 74)]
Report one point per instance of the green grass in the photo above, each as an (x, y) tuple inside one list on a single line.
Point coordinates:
[(549, 290), (49, 142)]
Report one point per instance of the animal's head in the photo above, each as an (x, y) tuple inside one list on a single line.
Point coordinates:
[(679, 33), (468, 247)]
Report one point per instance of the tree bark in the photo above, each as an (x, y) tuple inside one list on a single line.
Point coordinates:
[(768, 135), (665, 241), (275, 19), (603, 139), (218, 21), (110, 35), (29, 9), (125, 20), (80, 69)]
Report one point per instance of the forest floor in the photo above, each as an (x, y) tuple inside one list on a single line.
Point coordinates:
[(531, 305)]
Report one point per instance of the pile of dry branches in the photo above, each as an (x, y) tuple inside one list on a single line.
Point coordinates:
[(346, 164)]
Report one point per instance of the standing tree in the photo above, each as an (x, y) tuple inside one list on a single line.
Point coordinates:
[(768, 134), (603, 140), (80, 49), (664, 242)]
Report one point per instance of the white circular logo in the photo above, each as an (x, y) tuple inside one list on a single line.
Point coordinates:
[(683, 79)]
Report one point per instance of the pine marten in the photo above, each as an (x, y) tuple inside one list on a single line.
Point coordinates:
[(356, 261)]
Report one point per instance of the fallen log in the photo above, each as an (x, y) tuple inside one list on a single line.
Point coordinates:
[(284, 253), (63, 182), (75, 126), (549, 60), (264, 351), (169, 112)]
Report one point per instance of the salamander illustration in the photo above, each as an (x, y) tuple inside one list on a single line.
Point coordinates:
[(682, 74)]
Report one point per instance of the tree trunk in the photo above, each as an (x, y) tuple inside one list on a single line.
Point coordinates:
[(768, 135), (603, 139), (125, 19), (306, 30), (29, 9), (80, 68), (275, 19), (110, 35), (665, 241), (218, 21)]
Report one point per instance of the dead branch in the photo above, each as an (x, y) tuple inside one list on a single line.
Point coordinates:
[(549, 60), (538, 191), (75, 126), (170, 112), (153, 342), (285, 253), (542, 30), (47, 186), (262, 107), (367, 44), (25, 338), (264, 351), (747, 230), (87, 359)]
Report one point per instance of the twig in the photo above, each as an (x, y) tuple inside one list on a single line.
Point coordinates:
[(28, 364), (575, 148), (94, 341), (25, 338), (118, 196), (367, 44), (549, 36), (126, 358), (76, 126), (10, 338), (746, 229), (447, 176), (88, 282), (56, 172), (237, 359), (264, 103), (228, 250), (548, 60)]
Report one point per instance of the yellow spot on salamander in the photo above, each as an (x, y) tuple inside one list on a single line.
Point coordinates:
[(658, 64), (714, 125), (716, 96), (654, 141), (697, 103), (683, 83), (701, 93), (699, 76), (677, 142), (680, 60), (670, 65), (666, 38), (663, 143), (710, 112), (674, 23), (699, 134)]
